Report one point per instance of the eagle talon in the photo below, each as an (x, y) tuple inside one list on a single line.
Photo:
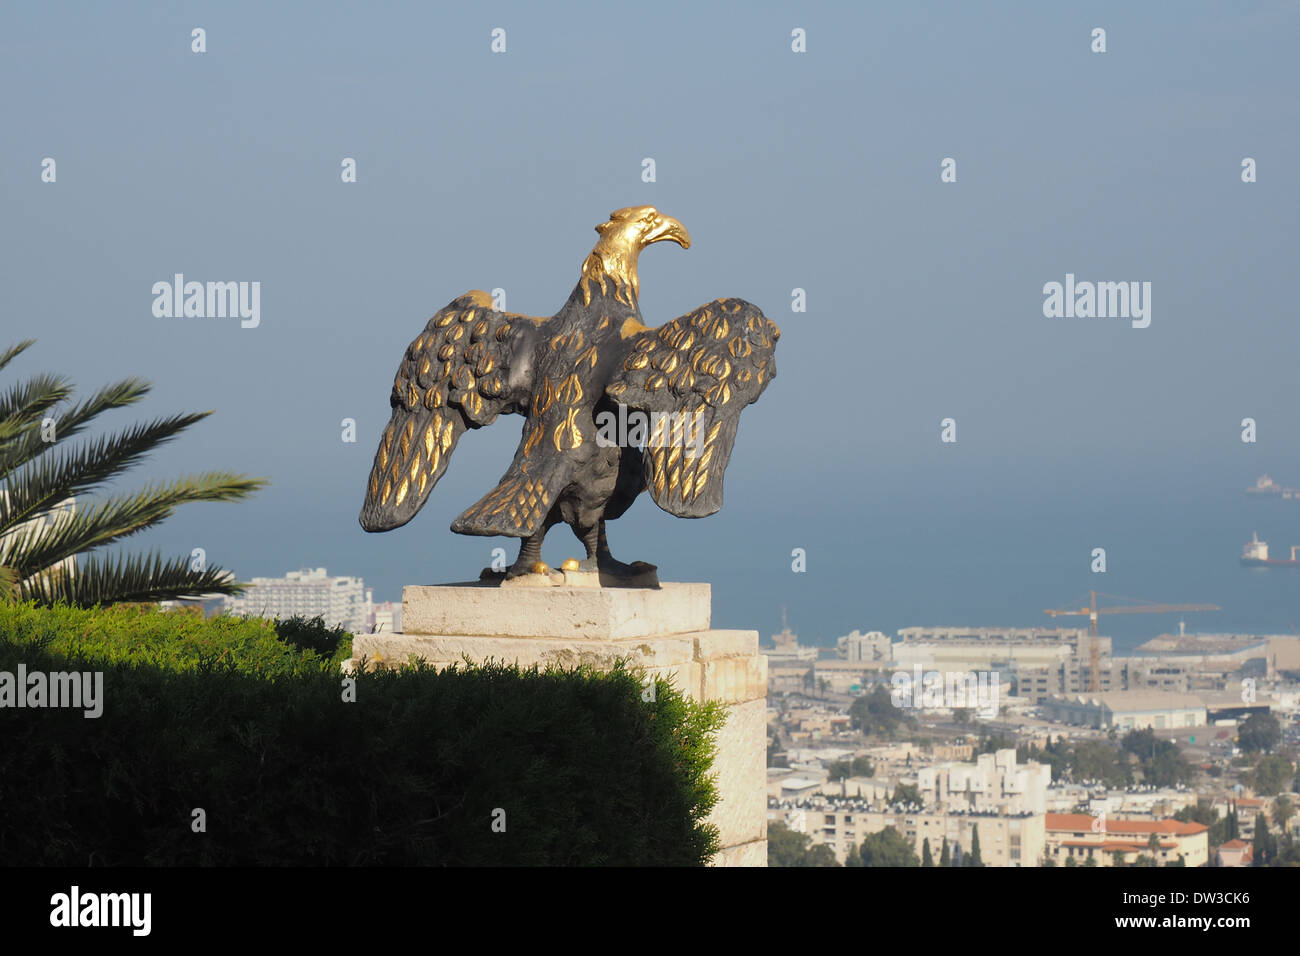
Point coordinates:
[(608, 564)]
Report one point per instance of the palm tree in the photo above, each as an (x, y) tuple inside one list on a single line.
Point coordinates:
[(42, 531)]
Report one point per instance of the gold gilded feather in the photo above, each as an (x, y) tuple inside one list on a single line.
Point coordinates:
[(571, 390), (545, 396), (700, 480), (567, 434), (532, 441)]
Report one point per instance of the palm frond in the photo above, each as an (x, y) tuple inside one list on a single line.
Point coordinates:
[(11, 353), (29, 441), (46, 553), (128, 578), (9, 579), (23, 405), (115, 518), (42, 484)]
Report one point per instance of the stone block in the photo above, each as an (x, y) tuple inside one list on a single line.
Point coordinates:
[(734, 679), (712, 644), (485, 608), (744, 854), (741, 772)]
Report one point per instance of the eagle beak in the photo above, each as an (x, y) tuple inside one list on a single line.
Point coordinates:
[(669, 228)]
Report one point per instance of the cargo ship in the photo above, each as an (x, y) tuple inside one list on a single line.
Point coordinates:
[(1255, 555), (1266, 487)]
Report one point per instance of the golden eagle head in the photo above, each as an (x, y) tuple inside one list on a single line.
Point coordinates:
[(622, 238)]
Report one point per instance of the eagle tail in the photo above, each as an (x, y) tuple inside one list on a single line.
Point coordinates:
[(517, 506)]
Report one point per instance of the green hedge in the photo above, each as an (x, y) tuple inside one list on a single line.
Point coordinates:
[(251, 726)]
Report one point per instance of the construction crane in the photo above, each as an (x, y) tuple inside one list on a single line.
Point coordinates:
[(1137, 607)]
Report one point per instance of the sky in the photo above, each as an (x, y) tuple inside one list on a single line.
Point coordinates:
[(817, 170)]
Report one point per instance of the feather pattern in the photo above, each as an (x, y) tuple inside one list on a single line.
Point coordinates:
[(453, 377), (694, 376)]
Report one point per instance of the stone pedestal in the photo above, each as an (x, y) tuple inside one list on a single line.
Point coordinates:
[(665, 629)]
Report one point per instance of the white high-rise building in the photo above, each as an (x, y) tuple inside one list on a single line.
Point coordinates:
[(341, 601)]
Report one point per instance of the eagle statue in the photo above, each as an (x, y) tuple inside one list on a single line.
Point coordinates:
[(573, 376)]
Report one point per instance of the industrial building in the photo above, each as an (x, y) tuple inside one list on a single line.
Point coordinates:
[(1126, 710)]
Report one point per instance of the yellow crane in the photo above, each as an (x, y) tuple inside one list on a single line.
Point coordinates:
[(1137, 607)]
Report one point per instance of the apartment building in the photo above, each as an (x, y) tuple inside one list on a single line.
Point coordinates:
[(1100, 838)]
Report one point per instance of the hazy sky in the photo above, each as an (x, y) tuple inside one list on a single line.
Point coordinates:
[(817, 170)]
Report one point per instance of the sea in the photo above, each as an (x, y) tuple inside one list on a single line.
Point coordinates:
[(1004, 560)]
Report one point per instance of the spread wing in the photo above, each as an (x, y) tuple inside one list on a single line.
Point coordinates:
[(457, 375), (698, 373)]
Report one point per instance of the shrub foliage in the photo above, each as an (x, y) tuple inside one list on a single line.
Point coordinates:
[(574, 766)]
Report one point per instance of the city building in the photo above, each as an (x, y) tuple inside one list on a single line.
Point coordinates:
[(841, 823), (994, 783), (385, 618), (340, 601), (1004, 800), (1126, 710), (872, 646), (1234, 853), (1037, 661), (1083, 837)]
